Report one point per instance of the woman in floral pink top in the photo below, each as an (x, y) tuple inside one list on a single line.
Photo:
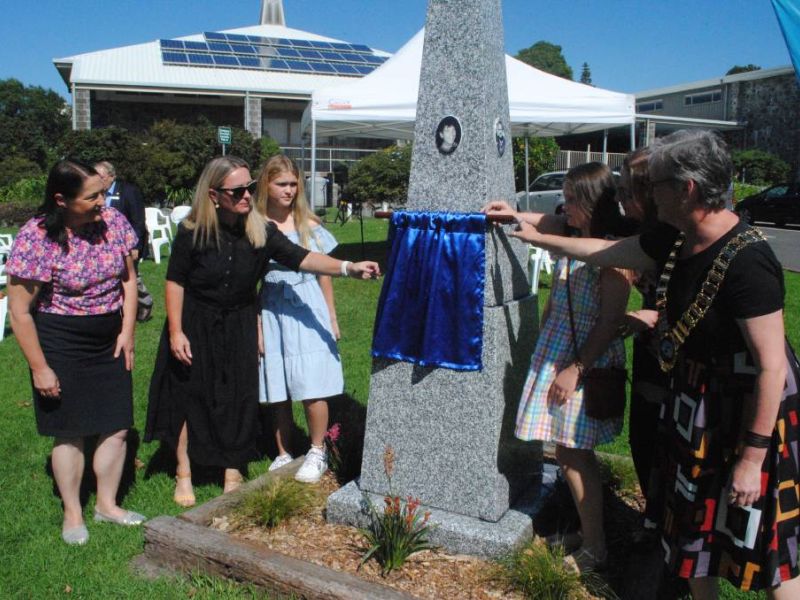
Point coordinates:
[(72, 301)]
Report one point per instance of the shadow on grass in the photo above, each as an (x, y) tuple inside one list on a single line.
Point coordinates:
[(377, 251)]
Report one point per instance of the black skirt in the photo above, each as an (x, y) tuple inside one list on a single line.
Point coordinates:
[(96, 389), (217, 396)]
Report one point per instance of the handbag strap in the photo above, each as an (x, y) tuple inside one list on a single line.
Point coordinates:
[(571, 316)]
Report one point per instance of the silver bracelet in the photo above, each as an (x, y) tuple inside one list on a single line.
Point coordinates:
[(343, 267)]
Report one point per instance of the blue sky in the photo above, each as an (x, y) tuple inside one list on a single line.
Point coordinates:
[(630, 45)]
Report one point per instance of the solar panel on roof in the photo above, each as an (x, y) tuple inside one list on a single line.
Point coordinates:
[(322, 67), (200, 59), (235, 37), (288, 52), (256, 39), (249, 61), (310, 54), (266, 50), (302, 43), (172, 44), (365, 70), (331, 55), (361, 47), (243, 49), (356, 58), (345, 69), (196, 46), (219, 47), (299, 65), (341, 46), (283, 42), (316, 44), (225, 60), (175, 57), (213, 35), (277, 64)]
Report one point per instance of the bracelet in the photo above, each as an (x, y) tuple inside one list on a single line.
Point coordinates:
[(756, 440), (343, 267)]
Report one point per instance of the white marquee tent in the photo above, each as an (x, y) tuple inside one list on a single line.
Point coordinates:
[(384, 103)]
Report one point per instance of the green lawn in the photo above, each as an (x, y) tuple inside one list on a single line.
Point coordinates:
[(38, 565)]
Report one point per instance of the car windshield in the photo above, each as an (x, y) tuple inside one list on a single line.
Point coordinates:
[(548, 182)]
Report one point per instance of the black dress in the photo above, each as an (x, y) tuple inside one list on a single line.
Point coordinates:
[(217, 396), (701, 425)]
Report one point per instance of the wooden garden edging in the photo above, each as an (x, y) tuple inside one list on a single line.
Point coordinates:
[(187, 544)]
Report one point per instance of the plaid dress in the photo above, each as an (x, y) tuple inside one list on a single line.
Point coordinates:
[(568, 424)]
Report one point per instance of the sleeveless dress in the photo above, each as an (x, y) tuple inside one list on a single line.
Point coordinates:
[(568, 424), (301, 360)]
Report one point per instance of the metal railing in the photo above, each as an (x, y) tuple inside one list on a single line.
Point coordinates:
[(566, 159)]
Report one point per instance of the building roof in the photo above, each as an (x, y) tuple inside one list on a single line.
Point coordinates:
[(717, 81), (141, 67)]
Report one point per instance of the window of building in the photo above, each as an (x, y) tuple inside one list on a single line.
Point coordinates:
[(702, 98), (650, 106)]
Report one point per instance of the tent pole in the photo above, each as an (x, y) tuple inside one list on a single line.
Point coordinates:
[(313, 165), (633, 136), (605, 146), (527, 167)]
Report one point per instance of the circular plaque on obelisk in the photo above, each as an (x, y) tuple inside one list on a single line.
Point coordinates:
[(448, 135), (500, 137)]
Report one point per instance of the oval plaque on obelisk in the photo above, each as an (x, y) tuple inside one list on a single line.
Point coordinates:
[(448, 135), (500, 137)]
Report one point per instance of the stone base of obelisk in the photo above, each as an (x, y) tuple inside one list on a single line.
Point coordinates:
[(455, 533), (452, 438)]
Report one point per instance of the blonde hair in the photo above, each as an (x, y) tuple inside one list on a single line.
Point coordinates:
[(301, 212), (203, 219)]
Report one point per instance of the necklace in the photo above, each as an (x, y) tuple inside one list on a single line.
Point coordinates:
[(671, 339)]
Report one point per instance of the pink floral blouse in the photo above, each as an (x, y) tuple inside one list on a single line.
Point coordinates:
[(87, 280)]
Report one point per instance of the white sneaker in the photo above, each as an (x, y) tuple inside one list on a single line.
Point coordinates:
[(315, 465), (280, 461)]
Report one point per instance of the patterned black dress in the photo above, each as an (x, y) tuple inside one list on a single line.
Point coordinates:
[(702, 423)]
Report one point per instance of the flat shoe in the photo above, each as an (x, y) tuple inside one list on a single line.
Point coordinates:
[(75, 536), (129, 519), (583, 561)]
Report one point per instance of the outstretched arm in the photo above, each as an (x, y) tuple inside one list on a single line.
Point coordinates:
[(555, 224), (322, 264), (624, 254)]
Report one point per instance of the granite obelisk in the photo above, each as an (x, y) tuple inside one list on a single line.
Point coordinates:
[(451, 431)]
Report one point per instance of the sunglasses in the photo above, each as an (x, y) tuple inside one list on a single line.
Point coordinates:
[(237, 193)]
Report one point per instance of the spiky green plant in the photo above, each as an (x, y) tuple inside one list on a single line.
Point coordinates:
[(279, 499)]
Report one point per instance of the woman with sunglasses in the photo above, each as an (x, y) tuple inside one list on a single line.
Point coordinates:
[(204, 390)]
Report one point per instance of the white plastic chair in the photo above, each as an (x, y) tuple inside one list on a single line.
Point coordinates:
[(6, 241), (3, 311), (538, 259), (179, 213), (159, 231)]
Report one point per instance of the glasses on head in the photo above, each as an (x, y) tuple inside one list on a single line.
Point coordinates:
[(237, 193)]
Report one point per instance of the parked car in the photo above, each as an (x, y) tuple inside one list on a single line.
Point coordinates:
[(545, 194), (779, 204)]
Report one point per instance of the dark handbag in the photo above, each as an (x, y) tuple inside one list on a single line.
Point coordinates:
[(603, 388)]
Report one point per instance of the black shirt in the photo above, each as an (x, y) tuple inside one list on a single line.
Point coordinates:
[(753, 286), (228, 277)]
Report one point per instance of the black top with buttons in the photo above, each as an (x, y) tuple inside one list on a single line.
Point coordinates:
[(228, 277)]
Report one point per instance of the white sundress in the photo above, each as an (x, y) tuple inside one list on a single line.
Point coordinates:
[(301, 360)]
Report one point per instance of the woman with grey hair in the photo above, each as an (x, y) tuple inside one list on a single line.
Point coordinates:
[(728, 433)]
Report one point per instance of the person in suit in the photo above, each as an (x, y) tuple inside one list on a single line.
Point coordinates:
[(127, 199)]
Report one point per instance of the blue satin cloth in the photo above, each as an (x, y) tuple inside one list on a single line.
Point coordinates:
[(430, 310)]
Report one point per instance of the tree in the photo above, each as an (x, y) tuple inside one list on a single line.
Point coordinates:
[(32, 120), (586, 74), (759, 167), (542, 152), (742, 69), (381, 177), (546, 57)]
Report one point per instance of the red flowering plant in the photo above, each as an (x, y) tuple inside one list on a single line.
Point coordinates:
[(331, 441), (399, 531)]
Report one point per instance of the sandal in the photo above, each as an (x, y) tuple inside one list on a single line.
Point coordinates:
[(569, 541), (232, 483), (584, 561), (184, 500)]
